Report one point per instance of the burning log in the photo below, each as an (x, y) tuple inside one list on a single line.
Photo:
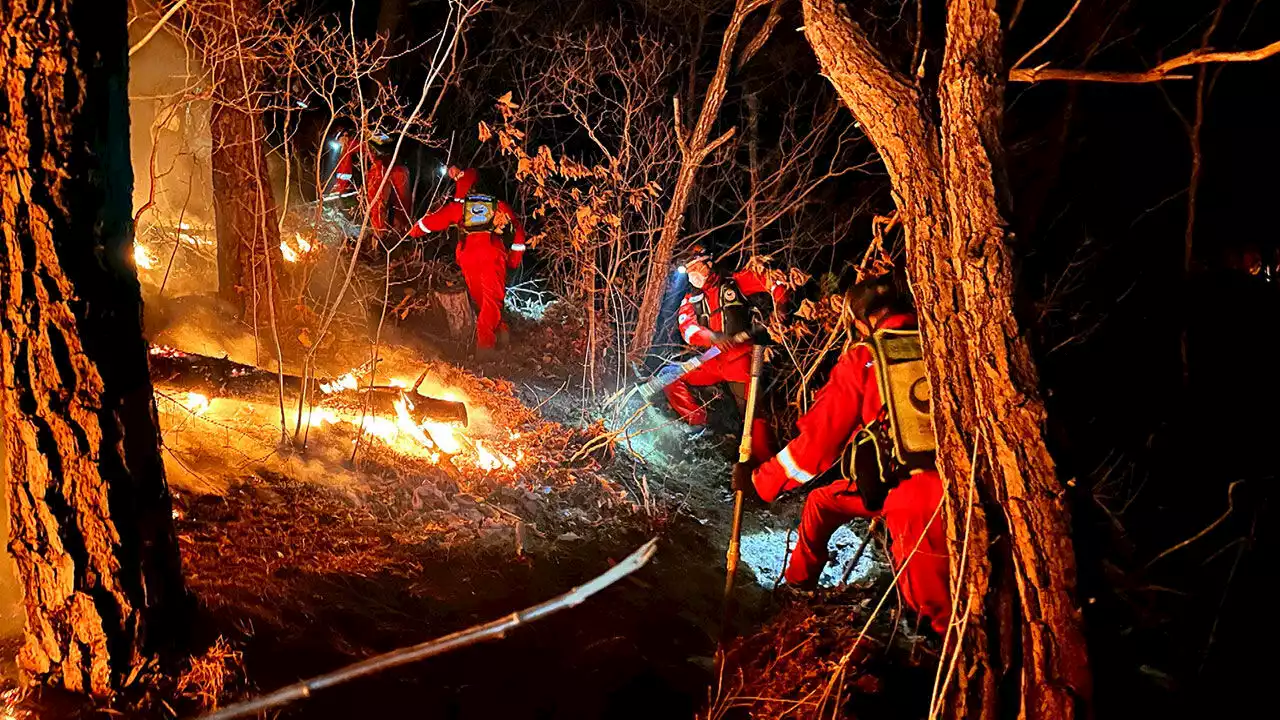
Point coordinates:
[(218, 377), (382, 399)]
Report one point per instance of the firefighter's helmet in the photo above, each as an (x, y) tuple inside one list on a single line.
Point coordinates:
[(690, 255)]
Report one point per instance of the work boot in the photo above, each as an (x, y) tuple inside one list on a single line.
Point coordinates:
[(504, 338)]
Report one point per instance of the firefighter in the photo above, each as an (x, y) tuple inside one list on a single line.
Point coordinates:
[(712, 313), (344, 171), (482, 252), (849, 402), (394, 192)]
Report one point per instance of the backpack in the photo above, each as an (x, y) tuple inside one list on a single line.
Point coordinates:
[(736, 309), (901, 438), (478, 213)]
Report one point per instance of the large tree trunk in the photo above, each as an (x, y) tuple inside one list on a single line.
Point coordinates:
[(245, 210), (1010, 527), (91, 532), (694, 149)]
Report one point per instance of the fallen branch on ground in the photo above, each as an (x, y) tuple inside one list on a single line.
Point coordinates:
[(494, 630)]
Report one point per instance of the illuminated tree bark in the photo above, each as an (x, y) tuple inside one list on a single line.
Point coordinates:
[(1023, 631), (91, 531)]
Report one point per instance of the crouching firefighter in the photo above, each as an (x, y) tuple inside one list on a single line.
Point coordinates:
[(873, 417), (483, 223), (716, 312)]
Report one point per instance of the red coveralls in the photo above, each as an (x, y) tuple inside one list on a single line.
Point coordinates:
[(397, 186), (733, 365), (483, 257), (849, 400)]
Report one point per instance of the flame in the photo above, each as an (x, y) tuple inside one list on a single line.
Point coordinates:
[(487, 460), (321, 417), (292, 255), (142, 258), (197, 403), (346, 382), (442, 435)]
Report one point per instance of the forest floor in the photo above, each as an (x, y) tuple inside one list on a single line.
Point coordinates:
[(302, 562)]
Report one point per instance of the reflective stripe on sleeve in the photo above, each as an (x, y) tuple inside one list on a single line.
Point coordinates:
[(690, 331), (789, 466), (518, 247)]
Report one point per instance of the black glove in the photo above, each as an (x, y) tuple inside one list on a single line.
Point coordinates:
[(742, 478), (722, 340)]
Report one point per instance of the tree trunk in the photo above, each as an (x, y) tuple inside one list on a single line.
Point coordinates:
[(390, 14), (245, 211), (694, 149), (91, 531), (1010, 529)]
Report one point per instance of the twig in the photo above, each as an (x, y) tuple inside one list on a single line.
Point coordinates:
[(853, 562), (494, 630), (1231, 506), (1048, 37)]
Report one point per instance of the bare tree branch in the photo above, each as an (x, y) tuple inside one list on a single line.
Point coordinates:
[(1159, 73), (156, 28), (761, 37), (1048, 37)]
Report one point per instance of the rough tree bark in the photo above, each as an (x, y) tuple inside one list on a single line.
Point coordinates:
[(695, 146), (244, 208), (1011, 556), (91, 531)]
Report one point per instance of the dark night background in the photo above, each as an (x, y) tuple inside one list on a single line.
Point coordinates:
[(1098, 175)]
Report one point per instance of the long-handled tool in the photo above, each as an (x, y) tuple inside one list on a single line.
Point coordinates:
[(744, 455), (660, 381)]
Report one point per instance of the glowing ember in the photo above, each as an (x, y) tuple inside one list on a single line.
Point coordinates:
[(142, 258), (290, 255), (198, 404), (303, 245)]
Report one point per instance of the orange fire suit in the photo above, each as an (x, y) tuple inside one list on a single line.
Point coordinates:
[(483, 257), (850, 400)]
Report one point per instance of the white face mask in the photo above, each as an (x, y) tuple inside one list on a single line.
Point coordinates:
[(698, 271)]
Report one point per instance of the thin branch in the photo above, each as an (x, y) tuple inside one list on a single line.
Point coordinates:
[(1231, 506), (156, 28), (712, 146), (1159, 73), (494, 630), (1048, 37)]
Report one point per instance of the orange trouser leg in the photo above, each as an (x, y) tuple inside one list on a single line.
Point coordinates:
[(912, 516), (825, 510), (484, 267)]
